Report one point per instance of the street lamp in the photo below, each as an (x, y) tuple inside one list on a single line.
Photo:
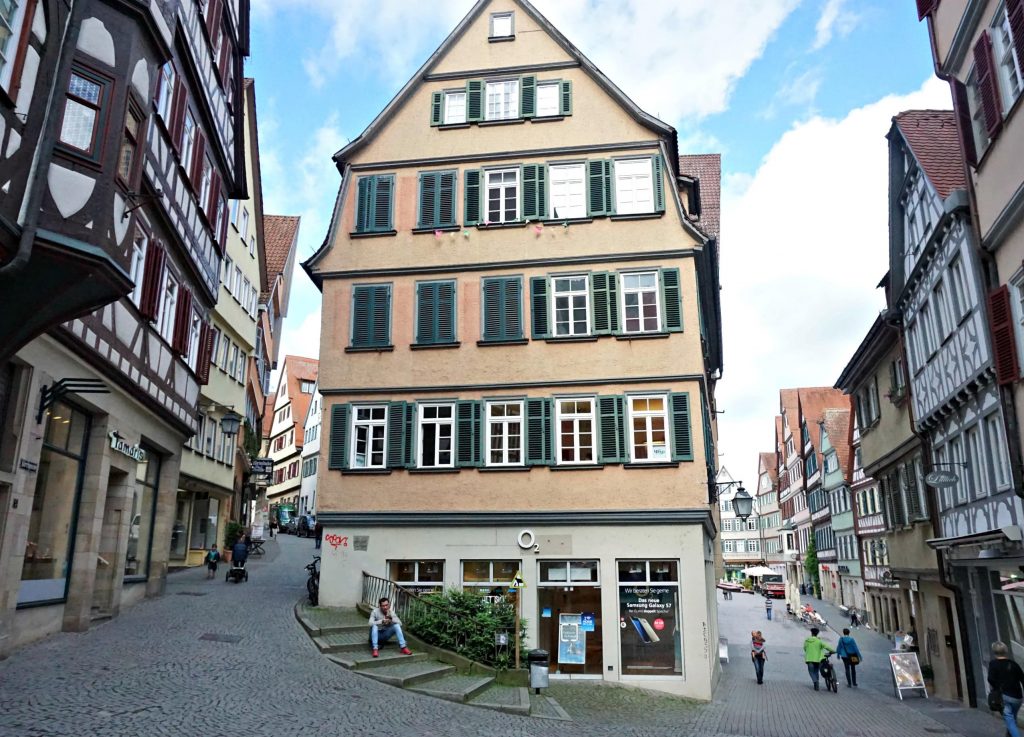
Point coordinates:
[(230, 423), (742, 503)]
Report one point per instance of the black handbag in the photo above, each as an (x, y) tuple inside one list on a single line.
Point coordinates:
[(995, 700)]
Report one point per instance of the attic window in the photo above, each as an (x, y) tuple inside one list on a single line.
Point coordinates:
[(502, 25)]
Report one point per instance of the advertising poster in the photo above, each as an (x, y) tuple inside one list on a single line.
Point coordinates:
[(649, 630), (907, 672), (587, 622), (572, 643)]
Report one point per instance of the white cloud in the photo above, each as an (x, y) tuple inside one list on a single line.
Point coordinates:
[(834, 19), (799, 90), (804, 242)]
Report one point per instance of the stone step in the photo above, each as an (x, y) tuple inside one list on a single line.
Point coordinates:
[(454, 687), (356, 660), (545, 707), (406, 674), (507, 699), (343, 641)]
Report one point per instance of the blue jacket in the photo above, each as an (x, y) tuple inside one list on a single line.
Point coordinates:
[(239, 552), (847, 646)]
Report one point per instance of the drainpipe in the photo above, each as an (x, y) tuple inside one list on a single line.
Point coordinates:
[(28, 218)]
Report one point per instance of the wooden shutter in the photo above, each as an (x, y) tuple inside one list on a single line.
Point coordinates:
[(682, 445), (152, 275), (205, 354), (599, 187), (337, 451), (527, 96), (964, 123), (472, 197), (428, 199), (671, 299), (214, 13), (361, 304), (364, 191), (436, 108), (474, 100), (492, 314), (182, 321), (214, 199), (467, 433), (658, 183), (565, 98), (198, 158), (382, 199), (380, 316), (397, 447), (924, 7), (426, 313), (534, 195), (1004, 344), (988, 84), (512, 299), (611, 423), (539, 317), (447, 181), (176, 124), (539, 441), (603, 303), (445, 331), (371, 315), (1015, 14)]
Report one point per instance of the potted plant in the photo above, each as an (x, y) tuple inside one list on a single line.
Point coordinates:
[(232, 532)]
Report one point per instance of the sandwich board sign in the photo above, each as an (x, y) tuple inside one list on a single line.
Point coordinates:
[(906, 673)]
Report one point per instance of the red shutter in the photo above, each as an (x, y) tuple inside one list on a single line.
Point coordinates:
[(964, 123), (985, 70), (195, 172), (211, 202), (1004, 345), (924, 7), (1015, 12), (214, 13), (152, 274), (204, 354), (182, 321), (178, 106)]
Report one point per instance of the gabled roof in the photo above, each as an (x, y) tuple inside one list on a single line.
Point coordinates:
[(268, 413), (707, 169), (767, 461), (281, 235), (588, 66), (298, 369), (814, 401), (933, 139), (790, 402), (838, 424)]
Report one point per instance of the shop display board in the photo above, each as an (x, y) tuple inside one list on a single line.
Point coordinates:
[(649, 630), (572, 640), (906, 672)]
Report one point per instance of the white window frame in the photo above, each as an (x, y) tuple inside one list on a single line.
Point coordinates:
[(165, 93), (958, 279), (567, 182), (7, 55), (168, 306), (193, 340), (245, 223), (656, 289), (505, 422), (137, 270), (371, 426), (1017, 310), (648, 416), (997, 450), (437, 423), (575, 418), (549, 108), (510, 16), (504, 92), (502, 188), (624, 175), (976, 107), (452, 114), (188, 141), (1008, 66), (727, 546), (569, 294), (492, 582)]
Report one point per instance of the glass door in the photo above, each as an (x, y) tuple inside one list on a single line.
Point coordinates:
[(569, 601)]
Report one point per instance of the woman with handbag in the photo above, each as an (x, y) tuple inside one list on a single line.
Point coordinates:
[(847, 650), (1005, 677), (758, 654)]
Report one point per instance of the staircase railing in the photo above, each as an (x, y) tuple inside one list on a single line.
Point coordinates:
[(412, 607)]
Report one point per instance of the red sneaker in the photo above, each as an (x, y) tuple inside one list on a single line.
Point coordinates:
[(376, 652), (405, 651)]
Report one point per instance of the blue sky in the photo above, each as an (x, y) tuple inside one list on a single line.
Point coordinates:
[(797, 96)]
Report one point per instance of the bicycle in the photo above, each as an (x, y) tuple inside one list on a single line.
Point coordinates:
[(313, 582), (828, 674)]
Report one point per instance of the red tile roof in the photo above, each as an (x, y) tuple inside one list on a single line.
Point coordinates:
[(268, 413), (299, 369), (768, 461), (839, 426), (708, 169), (813, 403), (935, 143), (280, 235)]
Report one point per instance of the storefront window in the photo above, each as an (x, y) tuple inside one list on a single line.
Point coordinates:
[(204, 522), (50, 542), (490, 577), (413, 574), (1008, 600), (649, 629), (179, 531), (140, 532), (571, 625)]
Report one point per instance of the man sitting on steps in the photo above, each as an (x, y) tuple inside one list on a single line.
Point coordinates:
[(383, 624)]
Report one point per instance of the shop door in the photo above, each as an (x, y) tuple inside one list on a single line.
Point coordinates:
[(569, 601)]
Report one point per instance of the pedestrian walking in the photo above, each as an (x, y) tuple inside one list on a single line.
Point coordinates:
[(758, 654), (212, 558), (273, 527), (854, 619), (814, 652), (849, 652), (1006, 678), (768, 608)]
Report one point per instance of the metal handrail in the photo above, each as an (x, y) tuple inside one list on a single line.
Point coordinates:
[(410, 606)]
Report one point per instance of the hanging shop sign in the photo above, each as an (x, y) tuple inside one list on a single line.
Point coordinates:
[(263, 466), (135, 452), (941, 479)]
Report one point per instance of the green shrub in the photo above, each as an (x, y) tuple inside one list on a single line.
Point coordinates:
[(466, 623), (232, 531), (747, 584)]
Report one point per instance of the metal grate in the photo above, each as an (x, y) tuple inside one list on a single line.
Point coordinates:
[(212, 637)]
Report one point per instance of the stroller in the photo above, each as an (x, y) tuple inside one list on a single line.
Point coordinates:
[(236, 572)]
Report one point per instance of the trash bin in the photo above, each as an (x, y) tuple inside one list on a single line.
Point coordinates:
[(540, 664)]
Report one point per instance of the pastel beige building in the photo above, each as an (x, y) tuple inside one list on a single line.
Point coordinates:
[(519, 350)]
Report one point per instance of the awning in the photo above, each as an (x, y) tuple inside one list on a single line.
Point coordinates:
[(1010, 533), (758, 571)]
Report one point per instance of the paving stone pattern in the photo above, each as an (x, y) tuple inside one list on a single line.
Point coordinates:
[(148, 672)]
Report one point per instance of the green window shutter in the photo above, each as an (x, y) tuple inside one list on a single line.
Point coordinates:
[(539, 321), (371, 316), (380, 317), (396, 435), (529, 209), (474, 100), (596, 202), (468, 432), (445, 312), (600, 302), (657, 168), (437, 108), (539, 445), (542, 190), (447, 181), (566, 97), (709, 444), (609, 185), (502, 308), (428, 200), (513, 308), (382, 202), (409, 439), (337, 453), (426, 313), (671, 298), (493, 317), (361, 309), (472, 197), (611, 422), (364, 204), (613, 303), (527, 96), (682, 445)]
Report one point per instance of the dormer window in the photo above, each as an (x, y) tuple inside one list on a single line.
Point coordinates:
[(502, 25)]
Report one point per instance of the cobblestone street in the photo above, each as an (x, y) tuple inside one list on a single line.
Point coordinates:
[(148, 672)]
